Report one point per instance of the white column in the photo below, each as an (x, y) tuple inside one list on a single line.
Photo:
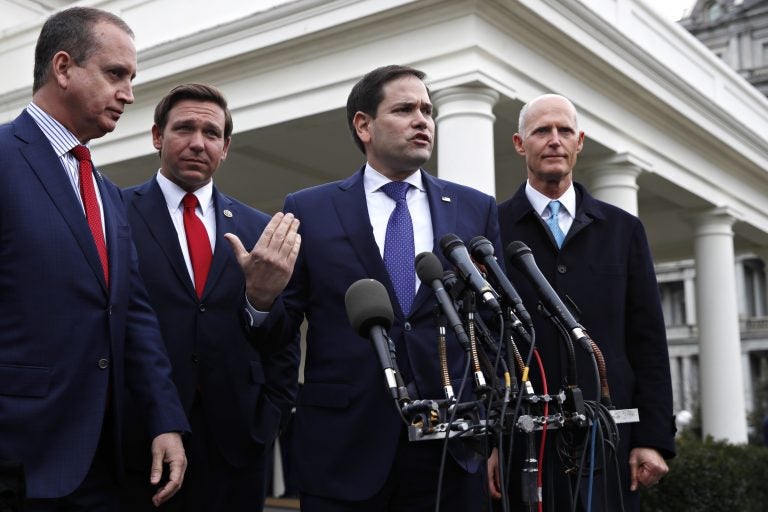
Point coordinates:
[(762, 253), (614, 179), (690, 384), (689, 286), (723, 412), (674, 370), (465, 136), (741, 289), (749, 388)]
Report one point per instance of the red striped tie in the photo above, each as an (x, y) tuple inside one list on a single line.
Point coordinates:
[(91, 205), (198, 242)]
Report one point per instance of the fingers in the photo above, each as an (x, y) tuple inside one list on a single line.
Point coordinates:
[(172, 486), (167, 448), (647, 466), (279, 235), (237, 246), (494, 485), (156, 471), (634, 465)]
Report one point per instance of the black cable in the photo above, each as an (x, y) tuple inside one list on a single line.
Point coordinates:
[(441, 471)]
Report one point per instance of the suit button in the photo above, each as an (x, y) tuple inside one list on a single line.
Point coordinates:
[(562, 269), (195, 358), (109, 310), (201, 308), (103, 363), (407, 326)]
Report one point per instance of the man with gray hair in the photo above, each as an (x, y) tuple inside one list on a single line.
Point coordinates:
[(75, 323), (597, 256)]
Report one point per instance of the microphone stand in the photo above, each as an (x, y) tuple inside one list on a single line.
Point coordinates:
[(468, 308), (442, 351)]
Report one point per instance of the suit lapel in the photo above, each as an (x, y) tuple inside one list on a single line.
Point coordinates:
[(53, 178), (151, 206), (443, 211), (352, 212), (586, 211), (225, 223), (442, 208)]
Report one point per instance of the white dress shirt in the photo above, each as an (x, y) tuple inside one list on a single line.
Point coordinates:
[(62, 141), (381, 206), (567, 205)]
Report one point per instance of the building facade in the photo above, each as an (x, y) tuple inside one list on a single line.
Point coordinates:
[(673, 134), (737, 32)]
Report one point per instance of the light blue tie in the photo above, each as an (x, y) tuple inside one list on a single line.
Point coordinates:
[(399, 251), (554, 226)]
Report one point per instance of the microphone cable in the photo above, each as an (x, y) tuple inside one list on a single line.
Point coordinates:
[(540, 477), (441, 470)]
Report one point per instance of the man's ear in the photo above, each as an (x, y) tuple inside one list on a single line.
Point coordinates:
[(157, 137), (226, 148), (518, 140), (362, 124), (61, 68)]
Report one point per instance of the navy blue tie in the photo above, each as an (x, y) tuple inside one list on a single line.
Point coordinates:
[(399, 251)]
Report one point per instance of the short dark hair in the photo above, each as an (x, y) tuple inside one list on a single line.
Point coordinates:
[(70, 30), (195, 92), (368, 93)]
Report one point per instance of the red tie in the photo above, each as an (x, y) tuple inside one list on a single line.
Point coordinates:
[(198, 242), (92, 212)]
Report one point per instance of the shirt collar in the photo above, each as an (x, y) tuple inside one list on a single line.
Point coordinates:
[(373, 180), (174, 194), (61, 139), (539, 201)]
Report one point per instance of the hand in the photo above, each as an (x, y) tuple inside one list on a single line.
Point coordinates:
[(167, 448), (269, 266), (646, 466), (494, 486)]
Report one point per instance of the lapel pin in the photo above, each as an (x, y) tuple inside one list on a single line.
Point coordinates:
[(446, 199), (227, 213)]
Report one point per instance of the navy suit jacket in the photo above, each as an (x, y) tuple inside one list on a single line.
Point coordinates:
[(247, 384), (347, 426), (605, 267), (63, 332)]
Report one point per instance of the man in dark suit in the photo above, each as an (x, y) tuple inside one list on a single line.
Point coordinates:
[(351, 442), (223, 322), (76, 327), (598, 256)]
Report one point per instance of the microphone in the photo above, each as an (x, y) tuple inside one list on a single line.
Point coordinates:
[(370, 313), (482, 250), (455, 251), (430, 272), (519, 255)]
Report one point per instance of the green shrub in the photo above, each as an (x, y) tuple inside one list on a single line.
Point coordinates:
[(712, 476)]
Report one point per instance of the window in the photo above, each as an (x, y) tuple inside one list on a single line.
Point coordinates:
[(713, 11), (673, 303), (754, 288)]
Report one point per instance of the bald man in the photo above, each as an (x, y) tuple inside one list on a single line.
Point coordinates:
[(596, 255)]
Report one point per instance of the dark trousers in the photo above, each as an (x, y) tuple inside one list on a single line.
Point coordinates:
[(211, 484), (99, 490), (412, 485)]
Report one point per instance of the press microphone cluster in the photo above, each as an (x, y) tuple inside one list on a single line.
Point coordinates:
[(482, 250), (502, 405), (430, 271), (456, 252)]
